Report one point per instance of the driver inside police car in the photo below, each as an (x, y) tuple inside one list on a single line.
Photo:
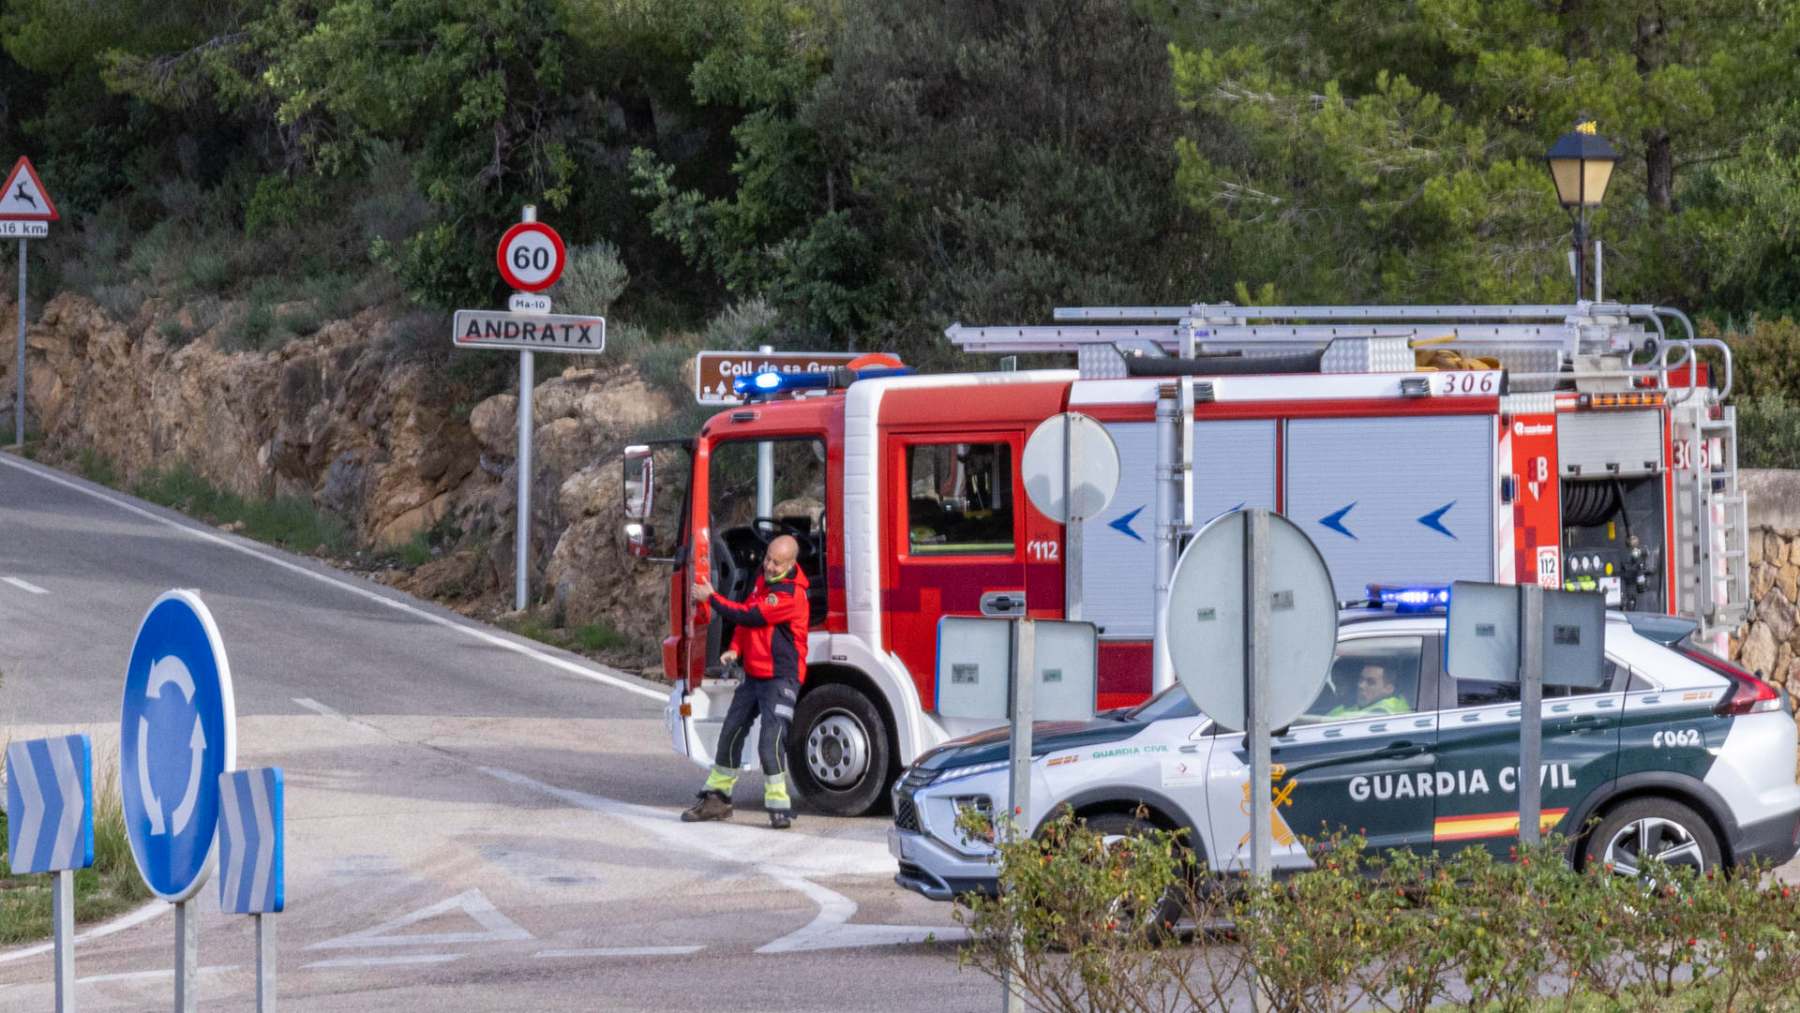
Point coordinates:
[(770, 639), (1375, 694)]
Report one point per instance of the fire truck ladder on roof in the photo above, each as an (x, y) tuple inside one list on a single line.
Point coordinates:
[(1527, 340)]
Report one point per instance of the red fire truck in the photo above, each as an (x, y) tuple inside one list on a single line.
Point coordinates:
[(1583, 447)]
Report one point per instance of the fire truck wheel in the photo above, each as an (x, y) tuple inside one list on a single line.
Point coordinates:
[(838, 750)]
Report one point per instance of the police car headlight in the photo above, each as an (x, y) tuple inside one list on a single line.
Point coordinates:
[(957, 773), (980, 808)]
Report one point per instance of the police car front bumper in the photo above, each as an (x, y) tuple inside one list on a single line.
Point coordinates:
[(932, 870)]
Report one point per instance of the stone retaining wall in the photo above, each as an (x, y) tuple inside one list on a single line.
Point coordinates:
[(1769, 643)]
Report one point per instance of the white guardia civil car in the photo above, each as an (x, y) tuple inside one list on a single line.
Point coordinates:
[(1679, 755)]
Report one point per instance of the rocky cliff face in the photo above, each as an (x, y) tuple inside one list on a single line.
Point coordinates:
[(375, 437)]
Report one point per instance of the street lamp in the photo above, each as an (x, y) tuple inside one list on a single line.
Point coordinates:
[(1581, 163)]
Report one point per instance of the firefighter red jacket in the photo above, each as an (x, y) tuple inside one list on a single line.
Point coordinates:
[(771, 627)]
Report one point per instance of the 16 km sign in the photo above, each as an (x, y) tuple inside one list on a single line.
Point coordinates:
[(531, 256)]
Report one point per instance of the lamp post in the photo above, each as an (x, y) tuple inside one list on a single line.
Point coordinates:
[(1581, 163)]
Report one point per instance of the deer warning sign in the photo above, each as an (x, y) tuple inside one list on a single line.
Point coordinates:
[(23, 198)]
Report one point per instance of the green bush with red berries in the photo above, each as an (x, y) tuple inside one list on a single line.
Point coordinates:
[(1089, 921)]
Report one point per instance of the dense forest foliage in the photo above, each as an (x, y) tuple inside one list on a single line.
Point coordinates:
[(864, 172)]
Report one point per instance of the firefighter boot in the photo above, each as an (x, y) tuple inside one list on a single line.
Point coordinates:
[(713, 805), (775, 799)]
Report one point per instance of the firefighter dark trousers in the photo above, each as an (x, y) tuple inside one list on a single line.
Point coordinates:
[(771, 701)]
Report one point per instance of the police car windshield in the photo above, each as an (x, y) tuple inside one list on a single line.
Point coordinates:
[(1170, 703)]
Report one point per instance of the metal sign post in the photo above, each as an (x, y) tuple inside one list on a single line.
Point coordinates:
[(765, 467), (1256, 688), (62, 913), (19, 376), (531, 257), (1531, 712), (26, 211), (187, 958), (522, 514), (1018, 794)]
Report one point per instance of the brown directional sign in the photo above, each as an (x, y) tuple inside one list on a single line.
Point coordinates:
[(715, 371)]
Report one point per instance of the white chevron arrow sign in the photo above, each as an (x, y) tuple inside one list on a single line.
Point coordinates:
[(250, 839), (49, 808)]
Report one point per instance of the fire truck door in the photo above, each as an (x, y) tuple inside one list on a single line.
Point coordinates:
[(960, 541)]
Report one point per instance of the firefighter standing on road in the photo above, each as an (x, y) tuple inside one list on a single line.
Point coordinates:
[(771, 640)]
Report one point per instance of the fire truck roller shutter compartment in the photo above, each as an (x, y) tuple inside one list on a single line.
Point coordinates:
[(1612, 506), (1395, 498), (1234, 468)]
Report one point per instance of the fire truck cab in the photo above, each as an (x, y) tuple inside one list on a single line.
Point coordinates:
[(1578, 446)]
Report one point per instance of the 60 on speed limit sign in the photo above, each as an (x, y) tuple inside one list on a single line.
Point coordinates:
[(531, 256)]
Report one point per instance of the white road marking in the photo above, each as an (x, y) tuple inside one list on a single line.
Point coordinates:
[(787, 857), (24, 585), (495, 927), (329, 712), (410, 958), (585, 672), (623, 951), (119, 924), (148, 975)]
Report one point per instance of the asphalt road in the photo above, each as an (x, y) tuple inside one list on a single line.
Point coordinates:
[(475, 821)]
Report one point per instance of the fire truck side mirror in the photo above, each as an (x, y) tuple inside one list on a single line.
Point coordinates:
[(640, 482), (640, 501)]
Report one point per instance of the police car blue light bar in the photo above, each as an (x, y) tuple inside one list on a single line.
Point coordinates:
[(1411, 597)]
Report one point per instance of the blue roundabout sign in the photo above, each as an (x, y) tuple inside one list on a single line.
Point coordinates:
[(177, 734)]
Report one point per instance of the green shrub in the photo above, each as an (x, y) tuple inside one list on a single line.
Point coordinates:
[(96, 467), (1765, 356), (121, 301), (1397, 931), (206, 270), (288, 521), (745, 324), (1769, 431), (417, 550), (592, 280), (279, 203), (599, 637), (152, 256), (256, 330), (300, 320)]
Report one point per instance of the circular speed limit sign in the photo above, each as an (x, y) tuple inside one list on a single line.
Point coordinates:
[(530, 256)]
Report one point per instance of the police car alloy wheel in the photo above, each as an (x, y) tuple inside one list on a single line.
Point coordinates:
[(1653, 829), (1114, 829)]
